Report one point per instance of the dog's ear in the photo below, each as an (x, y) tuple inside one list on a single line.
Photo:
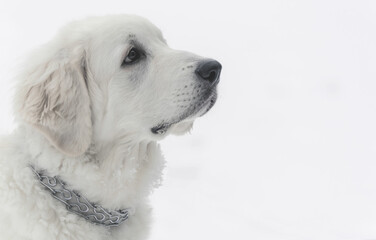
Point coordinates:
[(53, 96)]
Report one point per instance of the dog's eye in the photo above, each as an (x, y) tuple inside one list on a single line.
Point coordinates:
[(133, 56)]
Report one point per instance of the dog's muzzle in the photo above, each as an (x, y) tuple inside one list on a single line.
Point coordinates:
[(207, 77)]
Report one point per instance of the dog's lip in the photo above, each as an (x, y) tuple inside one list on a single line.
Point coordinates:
[(161, 128), (211, 101), (206, 106)]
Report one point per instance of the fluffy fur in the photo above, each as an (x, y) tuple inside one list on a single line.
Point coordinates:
[(86, 117)]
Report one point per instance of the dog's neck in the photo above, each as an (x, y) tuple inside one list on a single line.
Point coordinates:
[(118, 174)]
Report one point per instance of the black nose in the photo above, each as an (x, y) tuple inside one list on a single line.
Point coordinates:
[(209, 71)]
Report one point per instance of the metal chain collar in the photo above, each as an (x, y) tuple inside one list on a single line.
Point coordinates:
[(78, 204)]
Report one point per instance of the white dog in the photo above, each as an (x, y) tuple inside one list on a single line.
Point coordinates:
[(91, 105)]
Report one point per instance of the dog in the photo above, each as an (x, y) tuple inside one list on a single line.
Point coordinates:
[(91, 106)]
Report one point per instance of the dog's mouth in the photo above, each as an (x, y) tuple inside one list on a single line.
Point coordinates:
[(197, 109)]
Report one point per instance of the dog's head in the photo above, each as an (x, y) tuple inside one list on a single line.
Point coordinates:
[(108, 77)]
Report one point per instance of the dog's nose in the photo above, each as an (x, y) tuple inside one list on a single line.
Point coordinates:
[(209, 71)]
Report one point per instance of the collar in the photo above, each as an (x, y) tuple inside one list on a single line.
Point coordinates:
[(78, 204)]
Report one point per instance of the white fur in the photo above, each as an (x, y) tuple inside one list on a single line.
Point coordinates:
[(87, 119)]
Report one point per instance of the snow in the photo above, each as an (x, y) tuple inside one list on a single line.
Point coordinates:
[(289, 150)]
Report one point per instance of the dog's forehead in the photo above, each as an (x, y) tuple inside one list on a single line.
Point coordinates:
[(126, 28)]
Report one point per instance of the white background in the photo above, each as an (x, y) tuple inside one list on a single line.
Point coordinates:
[(289, 150)]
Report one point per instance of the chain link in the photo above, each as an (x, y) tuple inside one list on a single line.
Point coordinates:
[(78, 204)]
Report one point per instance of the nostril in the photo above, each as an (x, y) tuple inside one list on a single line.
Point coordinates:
[(212, 76), (209, 71)]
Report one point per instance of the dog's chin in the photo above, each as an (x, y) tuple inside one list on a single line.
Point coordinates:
[(184, 122), (181, 128)]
